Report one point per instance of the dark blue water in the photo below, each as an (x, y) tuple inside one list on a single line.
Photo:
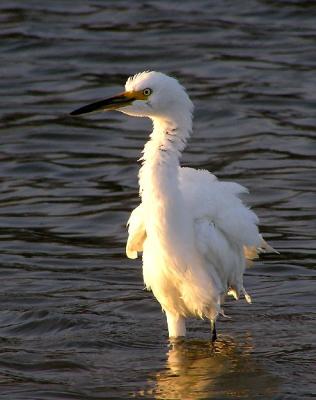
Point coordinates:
[(75, 322)]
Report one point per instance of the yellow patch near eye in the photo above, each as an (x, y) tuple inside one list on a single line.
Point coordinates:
[(138, 95)]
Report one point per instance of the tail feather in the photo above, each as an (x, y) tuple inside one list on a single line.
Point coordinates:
[(266, 248), (252, 252)]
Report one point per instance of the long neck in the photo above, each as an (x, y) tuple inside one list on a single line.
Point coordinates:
[(158, 176), (165, 213)]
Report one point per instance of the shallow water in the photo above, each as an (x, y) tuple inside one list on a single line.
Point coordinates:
[(75, 322)]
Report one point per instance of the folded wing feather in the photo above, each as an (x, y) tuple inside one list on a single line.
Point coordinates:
[(136, 233), (214, 204)]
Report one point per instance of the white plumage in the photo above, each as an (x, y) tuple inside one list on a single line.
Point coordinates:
[(194, 231)]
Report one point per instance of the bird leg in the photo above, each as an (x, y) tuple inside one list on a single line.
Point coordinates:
[(176, 325), (213, 330)]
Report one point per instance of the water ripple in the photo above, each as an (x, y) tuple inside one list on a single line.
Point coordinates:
[(75, 321)]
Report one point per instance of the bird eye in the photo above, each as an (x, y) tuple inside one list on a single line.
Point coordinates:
[(147, 92)]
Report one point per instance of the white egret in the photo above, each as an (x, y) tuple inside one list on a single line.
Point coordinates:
[(195, 233)]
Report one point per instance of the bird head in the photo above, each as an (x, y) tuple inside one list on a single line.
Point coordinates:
[(147, 94)]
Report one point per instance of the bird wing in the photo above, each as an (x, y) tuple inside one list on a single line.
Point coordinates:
[(225, 229), (136, 233), (219, 202)]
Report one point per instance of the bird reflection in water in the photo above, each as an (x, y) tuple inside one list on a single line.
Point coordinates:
[(198, 369)]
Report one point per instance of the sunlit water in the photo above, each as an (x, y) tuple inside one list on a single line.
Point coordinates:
[(75, 322)]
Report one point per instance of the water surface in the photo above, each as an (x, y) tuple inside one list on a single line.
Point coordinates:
[(75, 322)]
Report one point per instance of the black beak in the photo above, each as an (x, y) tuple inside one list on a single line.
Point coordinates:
[(112, 103)]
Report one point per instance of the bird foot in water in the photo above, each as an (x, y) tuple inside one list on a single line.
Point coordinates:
[(213, 331)]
